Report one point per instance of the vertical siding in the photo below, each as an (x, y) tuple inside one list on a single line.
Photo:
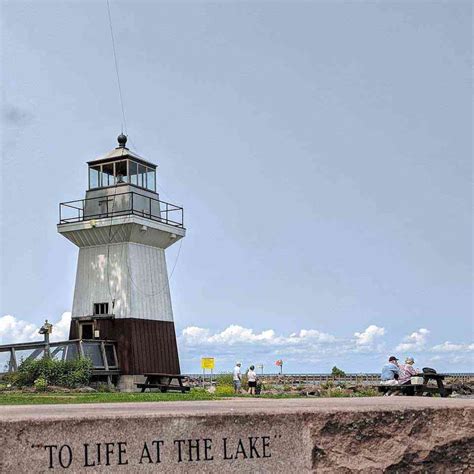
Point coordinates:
[(102, 277), (143, 346), (150, 293), (133, 275)]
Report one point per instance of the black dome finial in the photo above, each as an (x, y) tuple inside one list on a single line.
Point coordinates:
[(122, 140)]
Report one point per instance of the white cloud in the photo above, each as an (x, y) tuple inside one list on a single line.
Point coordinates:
[(313, 335), (368, 337), (416, 341), (450, 347), (194, 335), (61, 328), (14, 330), (238, 335), (307, 346)]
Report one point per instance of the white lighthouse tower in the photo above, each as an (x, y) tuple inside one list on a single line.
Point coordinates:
[(122, 293)]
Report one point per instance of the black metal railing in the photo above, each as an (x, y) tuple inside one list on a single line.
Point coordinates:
[(121, 204)]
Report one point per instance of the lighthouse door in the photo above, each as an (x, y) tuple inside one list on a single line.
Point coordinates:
[(86, 331)]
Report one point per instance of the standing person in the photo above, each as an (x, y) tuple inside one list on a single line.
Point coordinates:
[(390, 372), (407, 371), (252, 379), (237, 377)]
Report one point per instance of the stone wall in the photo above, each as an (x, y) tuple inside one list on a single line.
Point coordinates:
[(392, 434)]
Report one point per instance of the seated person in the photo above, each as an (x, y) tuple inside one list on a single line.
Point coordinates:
[(390, 372), (407, 371)]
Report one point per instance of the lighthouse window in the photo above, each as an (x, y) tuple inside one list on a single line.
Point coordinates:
[(121, 172), (138, 174), (108, 174), (94, 177), (101, 308), (150, 179), (133, 169), (141, 176)]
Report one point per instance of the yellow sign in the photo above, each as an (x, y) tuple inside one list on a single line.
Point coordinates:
[(207, 362)]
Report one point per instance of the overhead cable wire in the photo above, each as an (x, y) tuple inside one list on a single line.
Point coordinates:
[(124, 124), (111, 235)]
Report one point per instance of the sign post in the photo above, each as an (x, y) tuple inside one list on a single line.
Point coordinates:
[(46, 329), (279, 363), (207, 363)]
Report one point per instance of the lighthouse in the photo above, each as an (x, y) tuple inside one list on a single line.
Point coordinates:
[(122, 293)]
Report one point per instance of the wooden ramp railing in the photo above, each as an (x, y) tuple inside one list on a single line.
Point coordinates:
[(103, 354)]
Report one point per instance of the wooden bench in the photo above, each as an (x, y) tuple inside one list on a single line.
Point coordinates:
[(163, 382), (419, 390)]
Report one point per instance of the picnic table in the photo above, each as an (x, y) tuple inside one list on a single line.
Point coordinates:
[(409, 389), (163, 382)]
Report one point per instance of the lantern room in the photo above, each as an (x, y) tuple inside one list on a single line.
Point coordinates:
[(122, 167)]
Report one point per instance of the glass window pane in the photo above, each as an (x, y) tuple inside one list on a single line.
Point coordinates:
[(109, 353), (141, 176), (72, 351), (94, 174), (108, 174), (121, 171), (93, 352), (150, 179), (58, 353), (133, 172)]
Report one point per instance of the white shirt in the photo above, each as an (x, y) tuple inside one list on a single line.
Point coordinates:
[(236, 375), (251, 376)]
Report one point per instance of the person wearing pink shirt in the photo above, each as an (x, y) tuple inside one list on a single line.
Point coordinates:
[(407, 371)]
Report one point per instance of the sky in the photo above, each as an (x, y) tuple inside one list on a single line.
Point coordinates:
[(321, 151)]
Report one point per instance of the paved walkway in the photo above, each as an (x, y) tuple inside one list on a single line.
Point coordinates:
[(237, 405)]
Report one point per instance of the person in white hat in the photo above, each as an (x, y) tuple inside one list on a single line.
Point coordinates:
[(237, 377), (407, 371)]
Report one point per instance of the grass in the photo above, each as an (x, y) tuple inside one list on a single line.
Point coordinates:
[(18, 398), (51, 398)]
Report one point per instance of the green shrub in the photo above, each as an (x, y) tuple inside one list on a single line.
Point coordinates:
[(41, 384), (11, 378), (224, 379), (69, 373), (367, 392), (224, 391), (105, 388), (199, 391)]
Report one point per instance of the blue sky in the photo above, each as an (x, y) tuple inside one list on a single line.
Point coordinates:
[(321, 150)]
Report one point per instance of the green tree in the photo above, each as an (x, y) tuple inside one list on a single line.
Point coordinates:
[(337, 372)]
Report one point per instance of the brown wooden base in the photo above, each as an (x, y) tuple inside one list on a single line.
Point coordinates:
[(143, 345)]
